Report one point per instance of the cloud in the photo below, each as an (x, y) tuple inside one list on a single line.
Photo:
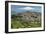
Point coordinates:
[(26, 8)]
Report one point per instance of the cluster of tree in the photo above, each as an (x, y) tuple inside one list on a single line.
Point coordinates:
[(13, 16), (16, 17)]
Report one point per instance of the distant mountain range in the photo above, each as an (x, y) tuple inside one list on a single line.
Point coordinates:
[(14, 12), (28, 13)]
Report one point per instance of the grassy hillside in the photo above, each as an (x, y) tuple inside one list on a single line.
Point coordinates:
[(17, 22)]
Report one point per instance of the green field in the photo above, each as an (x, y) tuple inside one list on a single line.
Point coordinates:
[(18, 23)]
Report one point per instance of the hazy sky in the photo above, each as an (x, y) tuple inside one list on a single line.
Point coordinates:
[(25, 8)]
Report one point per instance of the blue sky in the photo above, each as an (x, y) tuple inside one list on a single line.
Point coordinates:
[(25, 8)]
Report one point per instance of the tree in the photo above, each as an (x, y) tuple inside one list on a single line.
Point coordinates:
[(12, 16)]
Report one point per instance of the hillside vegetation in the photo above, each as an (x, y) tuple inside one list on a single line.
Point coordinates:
[(20, 21)]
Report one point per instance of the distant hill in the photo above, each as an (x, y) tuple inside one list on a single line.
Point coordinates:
[(14, 12), (28, 13), (30, 16)]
